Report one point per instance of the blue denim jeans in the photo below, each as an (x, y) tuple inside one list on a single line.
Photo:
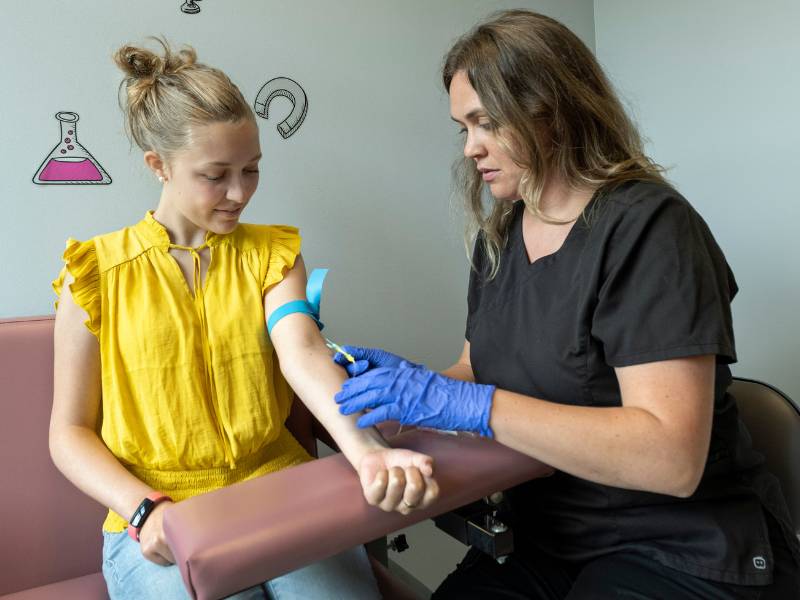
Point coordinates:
[(130, 576)]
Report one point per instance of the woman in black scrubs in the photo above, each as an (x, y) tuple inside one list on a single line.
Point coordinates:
[(598, 340)]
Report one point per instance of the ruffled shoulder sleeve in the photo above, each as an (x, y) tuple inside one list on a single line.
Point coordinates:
[(284, 246), (80, 259)]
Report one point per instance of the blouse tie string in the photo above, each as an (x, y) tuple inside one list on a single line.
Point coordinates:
[(200, 307)]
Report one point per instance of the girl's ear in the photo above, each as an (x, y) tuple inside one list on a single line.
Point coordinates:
[(156, 164)]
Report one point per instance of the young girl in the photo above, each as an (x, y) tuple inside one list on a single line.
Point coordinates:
[(167, 384)]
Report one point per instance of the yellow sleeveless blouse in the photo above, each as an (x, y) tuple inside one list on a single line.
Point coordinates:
[(192, 394)]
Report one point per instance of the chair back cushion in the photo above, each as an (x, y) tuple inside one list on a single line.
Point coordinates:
[(50, 530), (774, 424)]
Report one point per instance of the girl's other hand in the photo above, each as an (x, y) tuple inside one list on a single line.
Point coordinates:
[(152, 538)]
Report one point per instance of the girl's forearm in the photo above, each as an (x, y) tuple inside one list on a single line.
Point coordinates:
[(86, 461), (316, 379)]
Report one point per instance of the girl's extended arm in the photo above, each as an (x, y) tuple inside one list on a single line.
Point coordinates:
[(391, 479)]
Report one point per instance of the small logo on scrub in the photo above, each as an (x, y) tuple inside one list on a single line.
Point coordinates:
[(759, 562)]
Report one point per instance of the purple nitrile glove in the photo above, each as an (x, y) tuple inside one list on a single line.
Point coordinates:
[(418, 396), (369, 358)]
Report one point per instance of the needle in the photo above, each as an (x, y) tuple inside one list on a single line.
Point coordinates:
[(334, 346)]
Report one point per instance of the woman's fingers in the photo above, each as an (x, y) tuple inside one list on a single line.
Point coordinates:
[(353, 369), (353, 402), (378, 415), (357, 368)]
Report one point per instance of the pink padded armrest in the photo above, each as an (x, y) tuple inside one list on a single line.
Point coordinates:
[(250, 532)]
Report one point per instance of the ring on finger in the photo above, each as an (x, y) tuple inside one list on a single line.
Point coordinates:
[(412, 506)]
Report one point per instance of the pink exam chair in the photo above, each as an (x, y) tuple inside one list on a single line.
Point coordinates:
[(50, 539)]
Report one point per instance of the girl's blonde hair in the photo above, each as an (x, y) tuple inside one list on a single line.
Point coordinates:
[(168, 93), (554, 111)]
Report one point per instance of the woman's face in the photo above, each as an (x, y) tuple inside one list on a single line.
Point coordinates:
[(213, 179), (482, 145)]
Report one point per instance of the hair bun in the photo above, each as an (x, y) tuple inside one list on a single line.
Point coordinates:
[(165, 92), (141, 63)]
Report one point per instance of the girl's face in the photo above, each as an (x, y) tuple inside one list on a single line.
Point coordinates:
[(497, 168), (212, 180)]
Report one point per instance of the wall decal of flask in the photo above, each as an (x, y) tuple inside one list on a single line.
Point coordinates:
[(288, 88), (69, 163)]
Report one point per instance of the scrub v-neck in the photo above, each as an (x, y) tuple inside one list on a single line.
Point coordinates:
[(518, 239)]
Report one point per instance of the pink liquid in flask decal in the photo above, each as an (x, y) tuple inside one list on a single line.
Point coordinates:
[(69, 162), (66, 169)]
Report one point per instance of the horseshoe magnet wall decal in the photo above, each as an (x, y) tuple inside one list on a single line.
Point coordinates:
[(288, 88)]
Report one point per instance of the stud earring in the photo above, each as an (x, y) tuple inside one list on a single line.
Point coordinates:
[(161, 178)]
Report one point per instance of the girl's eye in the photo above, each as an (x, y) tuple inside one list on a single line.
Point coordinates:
[(462, 130), (487, 126), (212, 178), (251, 171)]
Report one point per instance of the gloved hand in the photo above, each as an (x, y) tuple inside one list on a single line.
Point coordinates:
[(418, 396), (370, 358)]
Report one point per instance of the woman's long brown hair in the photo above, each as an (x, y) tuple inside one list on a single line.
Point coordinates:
[(554, 111)]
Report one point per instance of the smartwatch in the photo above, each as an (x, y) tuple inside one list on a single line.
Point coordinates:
[(136, 522)]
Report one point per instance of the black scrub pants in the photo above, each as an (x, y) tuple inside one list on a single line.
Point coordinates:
[(619, 575)]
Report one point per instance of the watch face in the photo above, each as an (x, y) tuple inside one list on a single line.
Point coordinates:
[(141, 512)]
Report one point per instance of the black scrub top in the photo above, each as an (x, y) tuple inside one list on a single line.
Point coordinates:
[(638, 279)]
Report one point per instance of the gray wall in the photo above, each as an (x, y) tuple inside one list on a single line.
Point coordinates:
[(715, 86)]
